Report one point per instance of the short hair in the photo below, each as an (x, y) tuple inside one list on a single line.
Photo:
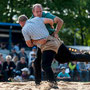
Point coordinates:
[(36, 5), (22, 18), (22, 58)]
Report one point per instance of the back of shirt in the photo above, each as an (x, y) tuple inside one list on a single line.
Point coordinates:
[(35, 29), (50, 16)]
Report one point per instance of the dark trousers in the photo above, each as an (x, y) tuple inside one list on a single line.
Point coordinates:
[(47, 58), (63, 55), (37, 67)]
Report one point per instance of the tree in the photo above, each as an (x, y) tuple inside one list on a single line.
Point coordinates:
[(75, 13)]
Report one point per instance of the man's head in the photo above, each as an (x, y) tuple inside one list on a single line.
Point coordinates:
[(34, 48), (8, 58), (37, 10), (63, 69), (22, 19), (22, 60), (13, 50), (23, 50)]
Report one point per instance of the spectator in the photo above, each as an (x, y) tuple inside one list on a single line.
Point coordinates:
[(1, 75), (23, 54), (20, 65), (63, 76), (24, 76), (73, 72), (1, 58), (0, 67), (88, 68), (84, 74), (16, 47), (8, 68), (13, 53), (32, 55), (15, 59), (3, 45)]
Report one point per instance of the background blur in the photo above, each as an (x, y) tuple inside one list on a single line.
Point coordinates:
[(75, 14)]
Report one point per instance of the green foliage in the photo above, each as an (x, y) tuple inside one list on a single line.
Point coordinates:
[(75, 14)]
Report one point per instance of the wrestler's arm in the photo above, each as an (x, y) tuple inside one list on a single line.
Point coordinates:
[(48, 21), (42, 41), (29, 43), (59, 23)]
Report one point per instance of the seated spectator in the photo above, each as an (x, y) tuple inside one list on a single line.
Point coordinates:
[(13, 53), (8, 68), (23, 54), (3, 45), (24, 76), (63, 76), (84, 73), (20, 65), (32, 55), (1, 58), (16, 47), (15, 59)]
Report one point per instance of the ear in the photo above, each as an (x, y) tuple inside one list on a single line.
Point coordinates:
[(33, 11)]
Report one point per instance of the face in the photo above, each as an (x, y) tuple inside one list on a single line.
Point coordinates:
[(63, 70), (22, 50), (24, 72), (8, 60), (22, 60), (21, 23), (37, 12)]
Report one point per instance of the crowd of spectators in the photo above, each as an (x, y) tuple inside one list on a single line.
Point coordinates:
[(18, 66)]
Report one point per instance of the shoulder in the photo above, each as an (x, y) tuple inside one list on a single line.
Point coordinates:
[(60, 73), (45, 13), (48, 15), (66, 73)]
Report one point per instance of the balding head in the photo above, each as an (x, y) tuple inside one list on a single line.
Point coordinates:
[(37, 10), (22, 19), (36, 5)]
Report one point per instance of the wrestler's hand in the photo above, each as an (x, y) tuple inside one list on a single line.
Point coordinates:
[(41, 41)]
